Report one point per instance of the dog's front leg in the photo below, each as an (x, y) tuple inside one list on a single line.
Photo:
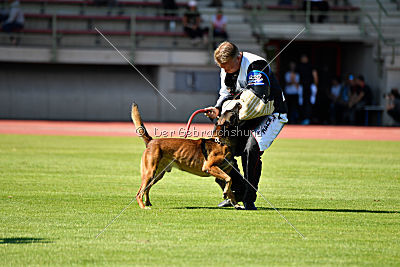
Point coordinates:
[(220, 174)]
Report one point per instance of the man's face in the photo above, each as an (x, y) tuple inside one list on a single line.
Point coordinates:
[(232, 65)]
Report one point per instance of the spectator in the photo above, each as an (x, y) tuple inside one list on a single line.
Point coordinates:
[(343, 105), (285, 2), (292, 79), (109, 3), (170, 8), (317, 5), (335, 95), (215, 3), (14, 18), (219, 26), (359, 98), (393, 104), (308, 77), (191, 24)]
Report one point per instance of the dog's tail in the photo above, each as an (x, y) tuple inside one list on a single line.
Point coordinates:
[(137, 120)]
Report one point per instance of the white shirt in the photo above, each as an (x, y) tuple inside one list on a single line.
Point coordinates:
[(291, 89), (335, 90), (219, 24), (16, 14)]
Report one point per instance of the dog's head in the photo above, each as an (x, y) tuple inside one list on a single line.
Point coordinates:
[(229, 118)]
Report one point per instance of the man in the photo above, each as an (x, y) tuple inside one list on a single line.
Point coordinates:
[(393, 104), (308, 77), (243, 73), (191, 24), (292, 79), (14, 21), (360, 97)]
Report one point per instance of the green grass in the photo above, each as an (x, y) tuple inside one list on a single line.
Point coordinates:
[(58, 193)]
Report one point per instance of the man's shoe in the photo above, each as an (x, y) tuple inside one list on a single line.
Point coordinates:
[(239, 207), (225, 203), (249, 206)]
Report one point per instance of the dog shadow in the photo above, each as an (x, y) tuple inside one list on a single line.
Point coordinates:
[(24, 240), (297, 209)]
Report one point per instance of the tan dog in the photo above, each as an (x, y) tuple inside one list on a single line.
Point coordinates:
[(203, 157)]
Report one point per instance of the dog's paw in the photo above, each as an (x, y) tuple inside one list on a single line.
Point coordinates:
[(147, 208)]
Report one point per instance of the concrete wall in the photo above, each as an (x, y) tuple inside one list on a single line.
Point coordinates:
[(73, 92), (358, 59), (97, 92), (392, 78)]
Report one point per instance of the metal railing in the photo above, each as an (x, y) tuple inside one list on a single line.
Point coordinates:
[(377, 26), (57, 35), (255, 17)]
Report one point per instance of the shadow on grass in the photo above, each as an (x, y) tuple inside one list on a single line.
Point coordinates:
[(24, 240), (296, 209)]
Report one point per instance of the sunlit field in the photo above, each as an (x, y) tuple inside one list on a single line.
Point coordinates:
[(58, 193)]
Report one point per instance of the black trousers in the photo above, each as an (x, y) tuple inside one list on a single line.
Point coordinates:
[(245, 190)]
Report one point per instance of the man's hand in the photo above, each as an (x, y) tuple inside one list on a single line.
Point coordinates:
[(211, 112)]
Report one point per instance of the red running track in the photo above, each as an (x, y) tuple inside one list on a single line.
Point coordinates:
[(197, 130)]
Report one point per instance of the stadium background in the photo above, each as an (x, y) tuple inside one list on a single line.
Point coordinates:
[(63, 70)]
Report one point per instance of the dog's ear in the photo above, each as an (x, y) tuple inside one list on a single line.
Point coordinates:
[(237, 107)]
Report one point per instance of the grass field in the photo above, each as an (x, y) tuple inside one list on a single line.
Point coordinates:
[(58, 193)]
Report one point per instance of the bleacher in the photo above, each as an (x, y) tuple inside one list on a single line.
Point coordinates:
[(72, 23)]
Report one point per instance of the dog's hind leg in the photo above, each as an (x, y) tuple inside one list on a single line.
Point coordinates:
[(158, 176), (150, 160)]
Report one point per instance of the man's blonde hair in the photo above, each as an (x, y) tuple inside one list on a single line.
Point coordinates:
[(225, 52)]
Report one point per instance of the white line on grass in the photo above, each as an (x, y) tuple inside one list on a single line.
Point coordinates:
[(267, 201), (150, 184)]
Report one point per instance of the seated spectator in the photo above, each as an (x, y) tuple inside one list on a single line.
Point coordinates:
[(359, 98), (191, 24), (292, 79), (14, 18), (285, 2), (170, 8), (110, 4), (393, 104), (215, 3), (317, 5), (219, 26)]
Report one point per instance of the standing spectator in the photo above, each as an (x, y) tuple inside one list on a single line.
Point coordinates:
[(308, 76), (334, 96), (191, 24), (292, 79), (219, 26), (393, 104), (343, 105), (359, 98)]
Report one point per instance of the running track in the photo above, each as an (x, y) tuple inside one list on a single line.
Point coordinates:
[(177, 129)]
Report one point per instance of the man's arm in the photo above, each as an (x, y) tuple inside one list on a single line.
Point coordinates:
[(12, 16), (258, 79)]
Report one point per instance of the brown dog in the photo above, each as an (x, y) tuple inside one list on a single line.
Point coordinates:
[(203, 157)]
